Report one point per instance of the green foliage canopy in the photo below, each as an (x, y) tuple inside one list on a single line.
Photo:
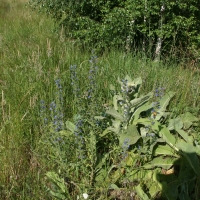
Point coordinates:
[(136, 23)]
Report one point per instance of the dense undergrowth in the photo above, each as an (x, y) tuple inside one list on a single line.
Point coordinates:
[(73, 123)]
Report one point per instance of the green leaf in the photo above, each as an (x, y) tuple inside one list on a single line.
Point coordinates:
[(154, 189), (136, 102), (164, 162), (142, 108), (189, 151), (65, 133), (175, 124), (185, 136), (141, 193), (163, 105), (188, 119), (158, 128), (113, 186), (70, 126), (164, 150), (170, 190), (105, 132), (114, 114), (99, 117), (167, 136), (132, 135), (112, 87), (57, 180), (116, 126), (117, 98), (57, 195)]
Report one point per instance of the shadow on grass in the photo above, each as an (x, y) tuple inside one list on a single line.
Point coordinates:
[(182, 182), (4, 8)]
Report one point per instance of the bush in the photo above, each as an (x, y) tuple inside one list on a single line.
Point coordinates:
[(129, 24)]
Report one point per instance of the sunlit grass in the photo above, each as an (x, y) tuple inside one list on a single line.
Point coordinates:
[(32, 56)]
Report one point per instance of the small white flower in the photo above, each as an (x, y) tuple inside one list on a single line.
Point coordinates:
[(162, 8), (85, 195)]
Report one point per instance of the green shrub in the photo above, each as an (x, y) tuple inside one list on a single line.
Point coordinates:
[(129, 24)]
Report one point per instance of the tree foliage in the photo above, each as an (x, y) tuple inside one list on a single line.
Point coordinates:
[(131, 24)]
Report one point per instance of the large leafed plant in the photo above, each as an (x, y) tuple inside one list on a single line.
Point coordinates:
[(145, 150)]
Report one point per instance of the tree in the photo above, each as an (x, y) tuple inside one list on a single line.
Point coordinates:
[(151, 25)]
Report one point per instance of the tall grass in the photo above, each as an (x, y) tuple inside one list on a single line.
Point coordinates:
[(32, 57)]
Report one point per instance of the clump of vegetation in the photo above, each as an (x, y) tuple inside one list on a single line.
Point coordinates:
[(131, 149)]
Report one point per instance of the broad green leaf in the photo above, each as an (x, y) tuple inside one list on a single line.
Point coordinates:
[(99, 117), (101, 161), (142, 108), (167, 136), (154, 189), (137, 81), (163, 104), (188, 119), (101, 178), (175, 124), (70, 126), (57, 195), (158, 127), (141, 193), (128, 78), (132, 135), (114, 114), (138, 101), (164, 162), (113, 186), (105, 132), (185, 136), (165, 150), (116, 126), (65, 133), (112, 87), (130, 159), (57, 180)]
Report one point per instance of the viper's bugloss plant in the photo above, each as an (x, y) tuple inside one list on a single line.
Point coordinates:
[(137, 132)]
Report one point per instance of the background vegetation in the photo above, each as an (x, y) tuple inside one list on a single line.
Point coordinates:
[(130, 25), (42, 89)]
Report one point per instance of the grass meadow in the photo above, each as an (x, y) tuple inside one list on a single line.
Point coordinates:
[(35, 69)]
